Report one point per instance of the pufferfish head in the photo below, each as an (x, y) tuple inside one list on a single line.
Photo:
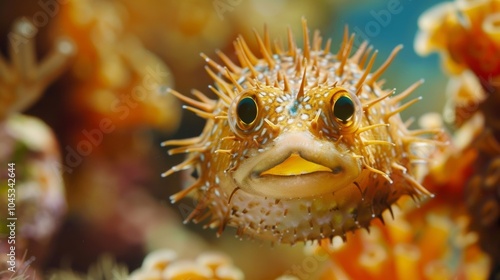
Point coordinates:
[(302, 144), (290, 146)]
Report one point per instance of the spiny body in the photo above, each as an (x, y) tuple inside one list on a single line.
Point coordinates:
[(301, 144)]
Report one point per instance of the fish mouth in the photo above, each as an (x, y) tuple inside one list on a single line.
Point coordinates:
[(297, 165)]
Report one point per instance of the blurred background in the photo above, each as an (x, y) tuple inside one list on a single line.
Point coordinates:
[(104, 122)]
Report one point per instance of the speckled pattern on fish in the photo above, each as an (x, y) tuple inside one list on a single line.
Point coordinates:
[(302, 144)]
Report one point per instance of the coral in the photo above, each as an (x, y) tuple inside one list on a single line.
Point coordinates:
[(483, 200), (185, 27), (164, 264), (113, 76), (464, 93), (110, 208), (106, 268), (113, 104), (427, 243), (23, 268), (456, 157), (178, 31), (40, 202), (24, 80), (35, 187), (118, 76), (467, 35)]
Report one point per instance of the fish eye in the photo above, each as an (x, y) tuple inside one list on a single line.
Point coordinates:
[(246, 111), (343, 109), (244, 114)]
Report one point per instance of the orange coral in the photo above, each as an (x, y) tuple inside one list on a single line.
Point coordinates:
[(467, 35), (427, 243), (114, 77), (164, 264), (23, 82), (32, 187), (483, 200)]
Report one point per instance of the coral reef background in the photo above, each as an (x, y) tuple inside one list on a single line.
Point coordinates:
[(108, 115)]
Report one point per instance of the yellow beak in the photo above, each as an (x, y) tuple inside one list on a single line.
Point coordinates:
[(295, 165)]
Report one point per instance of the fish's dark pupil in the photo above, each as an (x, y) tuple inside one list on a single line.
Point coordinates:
[(247, 110), (343, 108)]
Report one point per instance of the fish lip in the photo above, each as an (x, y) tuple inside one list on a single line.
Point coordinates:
[(338, 158), (320, 161), (315, 151)]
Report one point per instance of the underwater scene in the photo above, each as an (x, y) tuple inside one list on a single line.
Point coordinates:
[(249, 139)]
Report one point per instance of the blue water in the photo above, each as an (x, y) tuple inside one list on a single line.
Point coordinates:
[(387, 23)]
